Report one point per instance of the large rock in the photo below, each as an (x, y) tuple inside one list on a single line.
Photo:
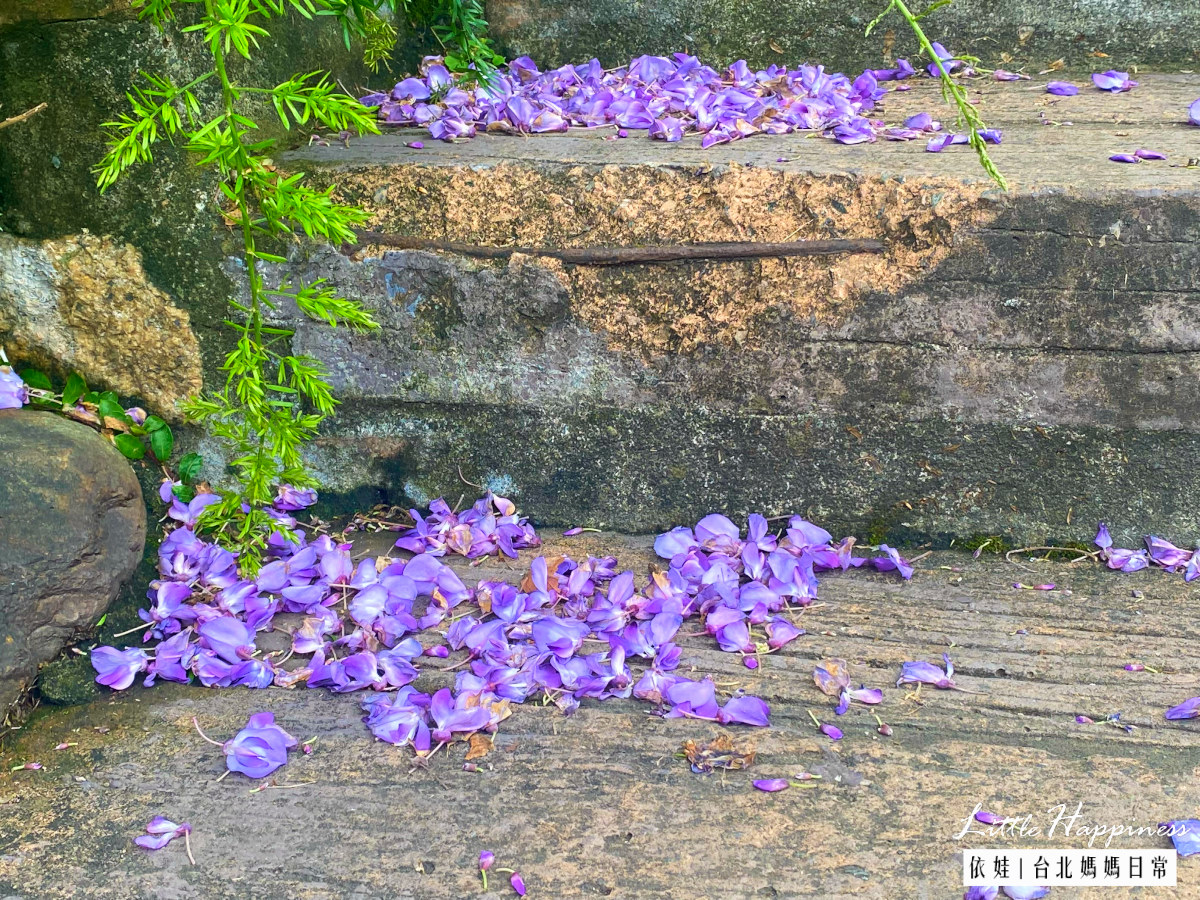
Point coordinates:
[(72, 529), (84, 303)]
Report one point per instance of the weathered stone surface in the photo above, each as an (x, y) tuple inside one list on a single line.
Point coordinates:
[(72, 528), (165, 209), (15, 11), (1013, 364), (1024, 34), (84, 304), (599, 805)]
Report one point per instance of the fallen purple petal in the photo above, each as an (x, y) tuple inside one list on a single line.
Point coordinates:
[(771, 785), (1062, 89), (1149, 154), (1188, 709), (1184, 834), (1114, 82), (1124, 158)]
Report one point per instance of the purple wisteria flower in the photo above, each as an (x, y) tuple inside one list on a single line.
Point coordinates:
[(290, 498), (1184, 834), (979, 892), (161, 831), (772, 785), (518, 884), (1062, 89), (14, 393), (1194, 112), (1025, 892), (1124, 158), (258, 749), (928, 673), (1142, 153), (1188, 709), (666, 97), (1114, 82), (118, 668)]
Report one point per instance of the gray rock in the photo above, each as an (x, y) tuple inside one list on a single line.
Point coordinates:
[(72, 529)]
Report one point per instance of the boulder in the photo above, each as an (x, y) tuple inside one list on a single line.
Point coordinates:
[(72, 529)]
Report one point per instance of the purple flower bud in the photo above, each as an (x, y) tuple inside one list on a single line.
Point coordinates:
[(1084, 720), (1149, 154), (750, 662), (1194, 112), (771, 785), (571, 532), (415, 145), (885, 729), (831, 731), (486, 858), (1135, 667), (518, 884), (439, 651), (1124, 158), (989, 818)]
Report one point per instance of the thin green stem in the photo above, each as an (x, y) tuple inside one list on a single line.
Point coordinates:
[(969, 114)]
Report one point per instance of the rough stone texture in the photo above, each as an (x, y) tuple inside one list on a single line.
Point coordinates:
[(599, 805), (15, 11), (84, 304), (1013, 364), (167, 210), (1025, 34), (72, 526)]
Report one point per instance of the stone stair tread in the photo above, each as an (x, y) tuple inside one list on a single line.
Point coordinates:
[(1033, 156)]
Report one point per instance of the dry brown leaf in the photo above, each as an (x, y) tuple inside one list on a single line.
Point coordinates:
[(719, 753), (481, 746)]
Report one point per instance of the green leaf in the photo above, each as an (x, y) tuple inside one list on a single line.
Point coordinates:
[(103, 619), (154, 423), (189, 466), (75, 388), (130, 446), (110, 409), (184, 492), (162, 442), (36, 379)]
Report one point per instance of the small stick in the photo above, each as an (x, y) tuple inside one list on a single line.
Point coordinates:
[(621, 256), (28, 114), (187, 843), (1083, 554), (132, 630), (207, 738)]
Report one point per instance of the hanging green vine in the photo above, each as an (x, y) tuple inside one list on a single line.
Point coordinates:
[(272, 400)]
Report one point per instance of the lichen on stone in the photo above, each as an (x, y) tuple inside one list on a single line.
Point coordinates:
[(84, 303)]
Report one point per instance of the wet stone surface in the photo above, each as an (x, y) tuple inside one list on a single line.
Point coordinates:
[(599, 805)]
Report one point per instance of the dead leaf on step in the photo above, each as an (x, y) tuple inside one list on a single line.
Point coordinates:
[(481, 746)]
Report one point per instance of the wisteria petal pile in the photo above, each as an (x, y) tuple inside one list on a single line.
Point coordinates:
[(569, 632), (665, 97)]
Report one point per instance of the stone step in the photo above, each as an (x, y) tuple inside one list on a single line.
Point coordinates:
[(1027, 33), (1017, 364)]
